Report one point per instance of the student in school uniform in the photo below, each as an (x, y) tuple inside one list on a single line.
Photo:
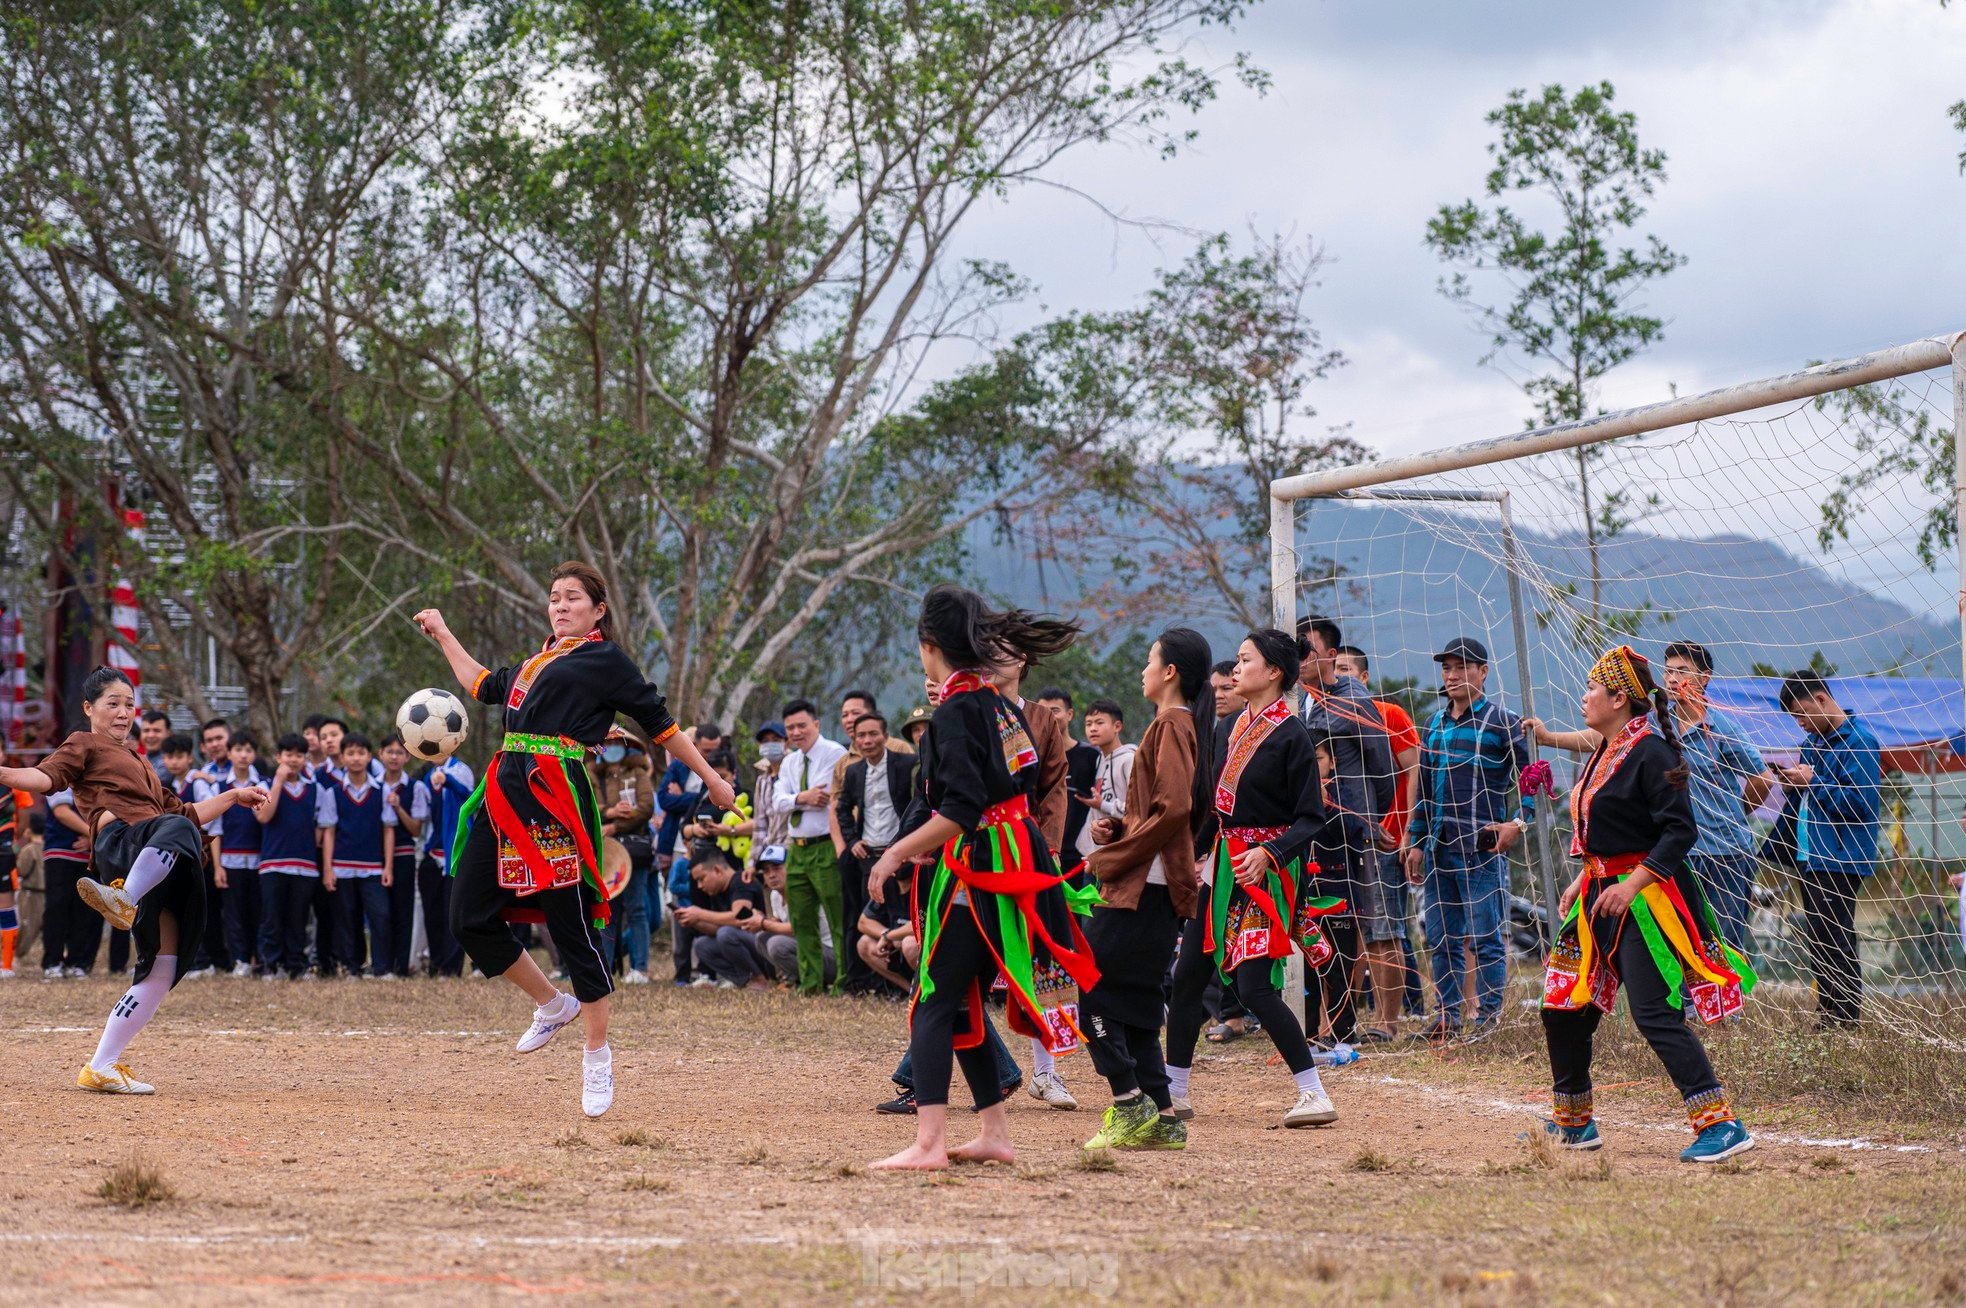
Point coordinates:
[(362, 875), (448, 784), (71, 932), (239, 834), (409, 813), (296, 843), (183, 778)]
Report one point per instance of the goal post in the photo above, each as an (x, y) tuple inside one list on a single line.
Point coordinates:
[(1689, 458)]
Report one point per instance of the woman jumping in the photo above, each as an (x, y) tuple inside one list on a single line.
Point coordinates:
[(536, 850), (146, 852)]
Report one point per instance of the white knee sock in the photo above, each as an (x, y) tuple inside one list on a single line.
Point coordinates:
[(1041, 1059), (1307, 1081), (148, 872), (1177, 1081), (134, 1011)]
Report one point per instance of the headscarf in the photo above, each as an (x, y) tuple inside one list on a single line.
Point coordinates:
[(1623, 671)]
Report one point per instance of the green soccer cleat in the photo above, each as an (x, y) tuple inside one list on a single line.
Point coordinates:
[(1162, 1132), (1121, 1124)]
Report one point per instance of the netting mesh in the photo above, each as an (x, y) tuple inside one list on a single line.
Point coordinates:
[(1813, 535)]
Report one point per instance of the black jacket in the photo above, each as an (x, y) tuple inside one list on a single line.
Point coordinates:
[(853, 792)]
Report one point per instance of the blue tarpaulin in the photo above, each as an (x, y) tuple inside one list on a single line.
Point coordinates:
[(1902, 712)]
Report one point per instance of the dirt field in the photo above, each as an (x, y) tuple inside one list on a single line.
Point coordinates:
[(363, 1141)]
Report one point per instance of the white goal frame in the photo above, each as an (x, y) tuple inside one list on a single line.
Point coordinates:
[(1380, 479)]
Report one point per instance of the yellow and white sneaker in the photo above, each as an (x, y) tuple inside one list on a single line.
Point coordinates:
[(116, 1081), (111, 901)]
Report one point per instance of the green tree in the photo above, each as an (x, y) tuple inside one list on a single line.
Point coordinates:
[(1574, 308)]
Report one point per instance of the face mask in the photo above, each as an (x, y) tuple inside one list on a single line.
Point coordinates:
[(613, 753), (772, 750)]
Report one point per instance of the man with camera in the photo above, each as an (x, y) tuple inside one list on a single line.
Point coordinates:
[(1467, 815), (722, 920)]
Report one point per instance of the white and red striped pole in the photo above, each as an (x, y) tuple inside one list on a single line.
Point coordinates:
[(123, 613)]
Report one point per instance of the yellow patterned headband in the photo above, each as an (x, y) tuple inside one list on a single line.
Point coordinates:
[(1618, 673)]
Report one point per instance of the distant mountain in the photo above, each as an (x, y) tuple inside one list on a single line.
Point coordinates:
[(1410, 580)]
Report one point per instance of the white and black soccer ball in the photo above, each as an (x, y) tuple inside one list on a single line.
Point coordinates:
[(433, 723)]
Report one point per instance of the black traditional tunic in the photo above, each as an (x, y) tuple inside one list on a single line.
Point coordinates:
[(979, 770), (559, 705), (1267, 793)]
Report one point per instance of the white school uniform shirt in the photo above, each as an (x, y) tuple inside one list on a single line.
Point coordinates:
[(418, 800), (357, 794), (804, 769), (202, 789), (325, 815)]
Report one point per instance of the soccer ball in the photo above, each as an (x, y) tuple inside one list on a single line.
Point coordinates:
[(432, 723)]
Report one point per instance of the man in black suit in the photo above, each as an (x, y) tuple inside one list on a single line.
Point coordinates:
[(873, 794)]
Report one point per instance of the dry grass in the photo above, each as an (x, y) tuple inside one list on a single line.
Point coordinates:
[(1369, 1159), (637, 1138), (571, 1140), (1097, 1160), (643, 1182), (134, 1183)]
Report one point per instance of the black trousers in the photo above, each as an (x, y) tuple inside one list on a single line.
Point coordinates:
[(1335, 977), (213, 948), (285, 900), (961, 956), (239, 913), (359, 900), (1250, 984), (394, 954), (1122, 1014), (71, 932), (853, 894), (1829, 911), (1569, 1033), (326, 910), (478, 903), (434, 888)]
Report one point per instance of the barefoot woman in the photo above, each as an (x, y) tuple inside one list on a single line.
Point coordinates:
[(534, 828), (993, 902), (146, 851)]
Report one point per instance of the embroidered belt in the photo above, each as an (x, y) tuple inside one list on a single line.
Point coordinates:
[(1014, 809), (525, 742), (1254, 835), (1611, 866)]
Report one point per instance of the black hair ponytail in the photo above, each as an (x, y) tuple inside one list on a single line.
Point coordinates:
[(973, 635), (1662, 713), (1186, 651)]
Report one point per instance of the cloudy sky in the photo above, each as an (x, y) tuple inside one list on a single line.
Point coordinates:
[(1813, 184)]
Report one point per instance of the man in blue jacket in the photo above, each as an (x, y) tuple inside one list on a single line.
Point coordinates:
[(1839, 785)]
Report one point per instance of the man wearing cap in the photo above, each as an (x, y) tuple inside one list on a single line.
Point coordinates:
[(1467, 815)]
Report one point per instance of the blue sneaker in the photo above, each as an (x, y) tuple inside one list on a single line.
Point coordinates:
[(1583, 1137), (1721, 1140)]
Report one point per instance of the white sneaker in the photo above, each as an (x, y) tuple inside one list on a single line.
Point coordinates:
[(1049, 1088), (52, 973), (112, 901), (73, 973), (242, 970), (6, 973), (385, 976), (544, 1028), (701, 982), (1313, 1108), (198, 974), (596, 1087), (635, 978), (1183, 1110)]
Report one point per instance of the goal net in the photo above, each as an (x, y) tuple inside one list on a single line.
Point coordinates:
[(1803, 523)]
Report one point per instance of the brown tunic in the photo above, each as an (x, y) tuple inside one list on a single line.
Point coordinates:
[(108, 777), (1159, 799), (1048, 738)]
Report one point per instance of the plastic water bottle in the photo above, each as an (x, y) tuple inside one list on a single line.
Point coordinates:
[(1337, 1056)]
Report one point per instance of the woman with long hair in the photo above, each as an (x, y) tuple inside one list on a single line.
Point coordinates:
[(994, 903), (529, 838), (1268, 804), (146, 851), (1635, 916), (1144, 866)]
